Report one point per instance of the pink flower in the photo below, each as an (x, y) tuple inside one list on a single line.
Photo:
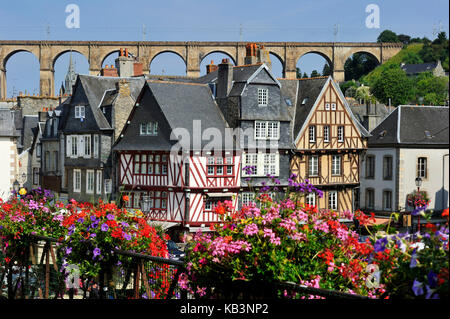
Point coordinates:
[(250, 229)]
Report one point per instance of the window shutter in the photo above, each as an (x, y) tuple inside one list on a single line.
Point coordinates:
[(308, 163), (68, 145), (277, 164), (319, 166)]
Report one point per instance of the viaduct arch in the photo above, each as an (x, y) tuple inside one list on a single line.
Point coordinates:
[(336, 53)]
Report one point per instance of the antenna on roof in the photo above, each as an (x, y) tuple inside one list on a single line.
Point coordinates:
[(240, 32), (144, 32)]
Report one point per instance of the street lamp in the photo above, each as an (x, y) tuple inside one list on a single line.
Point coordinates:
[(418, 184), (16, 186)]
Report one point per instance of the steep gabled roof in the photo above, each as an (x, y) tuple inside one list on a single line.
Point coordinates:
[(95, 87), (181, 104), (413, 126)]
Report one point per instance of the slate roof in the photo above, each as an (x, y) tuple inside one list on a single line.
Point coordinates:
[(308, 89), (411, 69), (7, 127), (29, 123), (95, 87), (181, 104), (413, 126), (360, 110)]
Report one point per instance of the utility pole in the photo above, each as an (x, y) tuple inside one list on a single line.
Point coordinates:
[(240, 32), (144, 32), (335, 31)]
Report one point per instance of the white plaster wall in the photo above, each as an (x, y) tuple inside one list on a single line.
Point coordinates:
[(7, 166), (436, 183), (378, 184)]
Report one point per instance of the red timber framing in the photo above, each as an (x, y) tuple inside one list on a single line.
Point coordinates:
[(163, 185)]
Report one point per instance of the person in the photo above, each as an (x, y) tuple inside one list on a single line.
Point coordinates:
[(93, 292)]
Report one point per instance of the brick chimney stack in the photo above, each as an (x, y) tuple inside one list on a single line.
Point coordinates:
[(224, 78), (256, 53), (211, 67)]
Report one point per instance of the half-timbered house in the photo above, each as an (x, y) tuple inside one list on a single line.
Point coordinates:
[(174, 160), (250, 99), (328, 141)]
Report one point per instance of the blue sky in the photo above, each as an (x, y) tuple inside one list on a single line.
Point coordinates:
[(201, 20)]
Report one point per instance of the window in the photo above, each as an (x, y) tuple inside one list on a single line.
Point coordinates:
[(87, 145), (79, 111), (150, 164), (340, 134), (77, 180), (108, 186), (326, 133), (136, 200), (74, 139), (260, 130), (270, 164), (219, 166), (336, 165), (370, 198), (310, 199), (90, 181), (35, 176), (251, 164), (370, 166), (263, 97), (99, 182), (55, 161), (267, 130), (272, 130), (422, 167), (327, 106), (332, 200), (47, 161), (387, 200), (387, 167), (38, 150), (248, 198), (150, 129), (312, 134), (96, 145), (333, 106), (313, 165)]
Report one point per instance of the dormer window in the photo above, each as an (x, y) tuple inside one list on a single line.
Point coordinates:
[(79, 112), (149, 128), (263, 95), (327, 106), (333, 106), (304, 101)]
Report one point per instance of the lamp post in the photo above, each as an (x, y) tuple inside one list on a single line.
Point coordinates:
[(418, 184)]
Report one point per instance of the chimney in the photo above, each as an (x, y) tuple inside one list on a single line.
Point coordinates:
[(106, 71), (125, 64), (225, 78), (211, 67), (42, 115), (251, 53), (123, 87), (138, 69)]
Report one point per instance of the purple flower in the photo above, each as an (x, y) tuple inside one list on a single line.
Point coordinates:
[(96, 252), (80, 220), (68, 250), (127, 236), (417, 288), (104, 227), (380, 244), (93, 218), (432, 279), (93, 235), (413, 262), (110, 217)]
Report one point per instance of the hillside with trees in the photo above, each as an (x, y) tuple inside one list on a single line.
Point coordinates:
[(389, 83)]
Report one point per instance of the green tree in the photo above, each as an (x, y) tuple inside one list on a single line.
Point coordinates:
[(326, 69), (315, 73), (405, 39), (393, 84), (359, 64), (388, 36), (299, 73), (345, 86), (412, 58), (305, 75), (431, 89)]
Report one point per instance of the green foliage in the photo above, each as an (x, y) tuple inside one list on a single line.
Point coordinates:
[(326, 70), (359, 64), (433, 89), (388, 36), (315, 73), (412, 58), (393, 84)]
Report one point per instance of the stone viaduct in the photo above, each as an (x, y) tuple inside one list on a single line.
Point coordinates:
[(192, 53)]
